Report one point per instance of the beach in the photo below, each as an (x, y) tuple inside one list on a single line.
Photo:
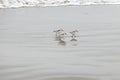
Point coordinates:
[(29, 49)]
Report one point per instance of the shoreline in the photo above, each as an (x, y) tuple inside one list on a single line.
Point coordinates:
[(32, 6)]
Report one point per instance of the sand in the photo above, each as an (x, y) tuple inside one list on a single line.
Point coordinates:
[(30, 51)]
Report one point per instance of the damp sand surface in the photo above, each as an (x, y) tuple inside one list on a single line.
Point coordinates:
[(29, 49)]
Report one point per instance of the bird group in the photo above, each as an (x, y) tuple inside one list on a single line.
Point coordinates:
[(61, 34)]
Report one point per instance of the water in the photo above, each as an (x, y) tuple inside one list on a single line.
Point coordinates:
[(44, 3), (29, 50)]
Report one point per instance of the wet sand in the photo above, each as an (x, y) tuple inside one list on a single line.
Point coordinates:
[(29, 49)]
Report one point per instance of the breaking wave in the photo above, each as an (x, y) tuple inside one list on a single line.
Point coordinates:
[(44, 3)]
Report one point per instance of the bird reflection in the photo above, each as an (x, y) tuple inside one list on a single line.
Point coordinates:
[(62, 42), (73, 39), (74, 42)]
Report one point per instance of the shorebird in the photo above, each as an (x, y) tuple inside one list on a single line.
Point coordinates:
[(58, 32), (62, 34), (74, 33), (62, 38)]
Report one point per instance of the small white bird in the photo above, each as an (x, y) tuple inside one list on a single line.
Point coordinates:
[(58, 32), (62, 34), (74, 33)]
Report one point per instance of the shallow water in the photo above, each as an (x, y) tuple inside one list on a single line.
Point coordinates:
[(30, 51)]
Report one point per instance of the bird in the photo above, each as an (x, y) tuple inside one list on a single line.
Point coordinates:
[(62, 35), (58, 32), (62, 38), (74, 33)]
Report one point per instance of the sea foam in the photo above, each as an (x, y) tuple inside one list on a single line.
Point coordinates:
[(43, 3)]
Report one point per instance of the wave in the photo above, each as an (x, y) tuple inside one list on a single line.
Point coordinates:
[(44, 3)]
